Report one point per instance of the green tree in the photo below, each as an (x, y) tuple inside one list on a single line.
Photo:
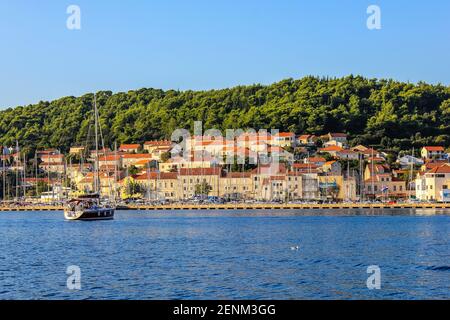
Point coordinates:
[(165, 156), (203, 189)]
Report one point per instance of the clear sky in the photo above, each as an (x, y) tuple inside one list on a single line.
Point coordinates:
[(204, 44)]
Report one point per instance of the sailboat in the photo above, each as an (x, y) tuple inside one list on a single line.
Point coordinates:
[(91, 206)]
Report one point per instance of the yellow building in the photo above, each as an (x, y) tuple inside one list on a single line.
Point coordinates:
[(338, 187), (236, 185), (189, 179), (159, 185), (434, 184), (432, 152), (176, 163)]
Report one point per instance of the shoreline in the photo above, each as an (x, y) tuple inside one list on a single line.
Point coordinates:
[(244, 206)]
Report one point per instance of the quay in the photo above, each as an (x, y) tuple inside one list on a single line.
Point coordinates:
[(250, 206)]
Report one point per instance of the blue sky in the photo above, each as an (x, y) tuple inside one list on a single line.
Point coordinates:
[(199, 44)]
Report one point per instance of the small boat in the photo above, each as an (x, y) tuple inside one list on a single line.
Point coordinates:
[(88, 207)]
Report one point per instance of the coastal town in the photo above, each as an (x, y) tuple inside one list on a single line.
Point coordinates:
[(308, 168)]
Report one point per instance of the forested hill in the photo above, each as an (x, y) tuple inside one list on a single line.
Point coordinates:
[(393, 114)]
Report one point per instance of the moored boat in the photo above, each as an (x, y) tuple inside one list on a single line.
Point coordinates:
[(91, 206), (88, 208)]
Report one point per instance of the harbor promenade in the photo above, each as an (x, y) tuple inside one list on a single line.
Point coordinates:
[(248, 206)]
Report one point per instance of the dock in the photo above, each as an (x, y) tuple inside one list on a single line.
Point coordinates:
[(250, 206)]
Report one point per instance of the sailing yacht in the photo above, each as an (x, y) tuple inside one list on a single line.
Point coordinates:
[(91, 206)]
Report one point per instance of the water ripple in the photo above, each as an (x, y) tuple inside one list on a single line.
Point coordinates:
[(226, 255)]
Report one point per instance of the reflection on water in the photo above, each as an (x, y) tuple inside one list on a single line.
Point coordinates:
[(227, 254)]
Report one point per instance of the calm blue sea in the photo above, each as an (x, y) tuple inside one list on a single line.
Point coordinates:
[(227, 255)]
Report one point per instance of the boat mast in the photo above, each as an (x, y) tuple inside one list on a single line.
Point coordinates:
[(36, 171), (4, 173), (373, 177), (411, 174), (24, 176), (17, 159), (115, 170), (96, 167)]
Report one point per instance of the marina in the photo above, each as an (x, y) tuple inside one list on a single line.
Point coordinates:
[(244, 206)]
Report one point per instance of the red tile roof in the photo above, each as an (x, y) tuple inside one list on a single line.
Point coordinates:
[(316, 159), (331, 148), (434, 148), (284, 134), (238, 175), (445, 168), (200, 171), (109, 158), (137, 156), (338, 135), (157, 175), (129, 146), (158, 143), (304, 165)]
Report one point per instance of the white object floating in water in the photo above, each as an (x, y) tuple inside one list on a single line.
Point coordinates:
[(294, 248)]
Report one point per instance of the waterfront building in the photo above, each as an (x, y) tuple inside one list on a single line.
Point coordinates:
[(236, 185), (273, 189), (434, 184), (336, 187), (58, 193), (158, 185), (310, 186), (385, 186), (193, 178)]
